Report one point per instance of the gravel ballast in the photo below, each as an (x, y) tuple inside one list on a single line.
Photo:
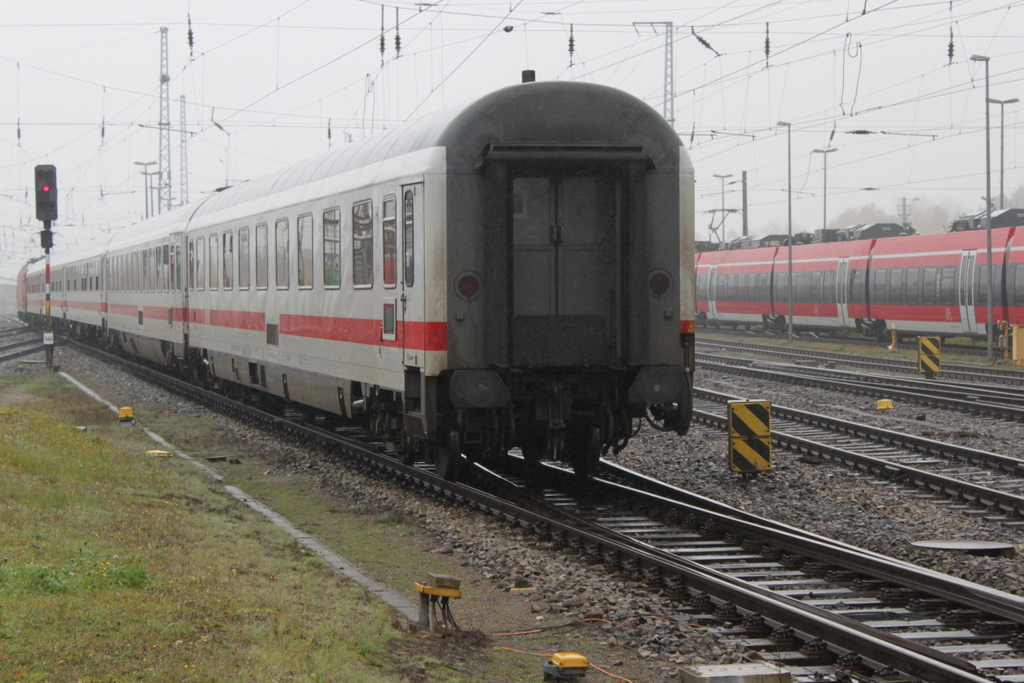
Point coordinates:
[(822, 498)]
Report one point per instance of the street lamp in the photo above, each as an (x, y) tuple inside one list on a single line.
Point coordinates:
[(1002, 120), (723, 177), (145, 175), (988, 207), (789, 241), (824, 185)]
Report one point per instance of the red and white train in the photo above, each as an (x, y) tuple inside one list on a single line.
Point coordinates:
[(916, 285), (513, 272)]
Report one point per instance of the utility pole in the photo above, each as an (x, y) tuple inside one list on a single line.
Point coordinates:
[(184, 156), (744, 203), (905, 209), (669, 109), (164, 191)]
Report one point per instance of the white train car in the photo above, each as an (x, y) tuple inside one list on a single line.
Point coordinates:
[(515, 272)]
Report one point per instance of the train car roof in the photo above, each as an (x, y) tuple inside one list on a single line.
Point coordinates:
[(519, 115), (942, 241), (525, 113)]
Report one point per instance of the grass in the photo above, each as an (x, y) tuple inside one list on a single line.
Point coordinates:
[(115, 565)]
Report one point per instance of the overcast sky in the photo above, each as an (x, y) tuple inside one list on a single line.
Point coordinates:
[(264, 82)]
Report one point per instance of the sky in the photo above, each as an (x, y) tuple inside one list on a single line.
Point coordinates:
[(888, 84)]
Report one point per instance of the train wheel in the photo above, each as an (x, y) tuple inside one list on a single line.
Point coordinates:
[(448, 458)]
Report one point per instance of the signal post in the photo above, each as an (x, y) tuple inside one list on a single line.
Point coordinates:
[(46, 211)]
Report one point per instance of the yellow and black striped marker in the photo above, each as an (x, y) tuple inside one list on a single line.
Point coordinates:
[(929, 356), (750, 436)]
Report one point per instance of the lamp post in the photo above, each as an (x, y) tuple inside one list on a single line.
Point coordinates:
[(1002, 120), (824, 185), (988, 208), (789, 232), (145, 176), (723, 177)]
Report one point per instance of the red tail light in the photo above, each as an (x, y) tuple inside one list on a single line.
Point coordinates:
[(659, 282), (468, 285)]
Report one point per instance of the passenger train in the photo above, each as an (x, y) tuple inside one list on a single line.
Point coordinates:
[(935, 284), (515, 272)]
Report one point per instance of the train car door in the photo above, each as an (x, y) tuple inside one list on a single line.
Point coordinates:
[(567, 245), (712, 293), (843, 291), (967, 315), (412, 298)]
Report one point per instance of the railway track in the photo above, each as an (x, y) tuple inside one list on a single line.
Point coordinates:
[(962, 349), (1004, 404), (953, 371), (821, 609), (951, 473)]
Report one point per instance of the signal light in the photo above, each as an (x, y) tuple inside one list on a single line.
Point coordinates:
[(46, 192)]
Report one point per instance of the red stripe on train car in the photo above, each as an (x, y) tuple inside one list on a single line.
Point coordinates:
[(87, 306), (124, 309), (410, 335), (242, 320)]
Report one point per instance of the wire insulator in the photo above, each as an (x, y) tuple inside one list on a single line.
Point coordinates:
[(398, 38), (382, 43), (950, 44), (767, 44), (572, 44)]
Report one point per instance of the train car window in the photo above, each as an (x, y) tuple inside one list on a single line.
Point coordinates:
[(913, 286), (177, 267), (762, 287), (169, 259), (702, 286), (228, 258), (362, 244), (929, 285), (213, 262), (408, 238), (881, 285), (782, 286), (243, 258), (305, 248), (262, 256), (855, 291), (332, 248), (896, 286), (803, 286), (200, 263), (982, 286), (389, 240), (947, 285), (191, 264), (816, 284), (828, 283), (281, 249), (147, 270)]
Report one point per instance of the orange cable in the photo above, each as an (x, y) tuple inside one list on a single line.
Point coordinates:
[(608, 673)]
